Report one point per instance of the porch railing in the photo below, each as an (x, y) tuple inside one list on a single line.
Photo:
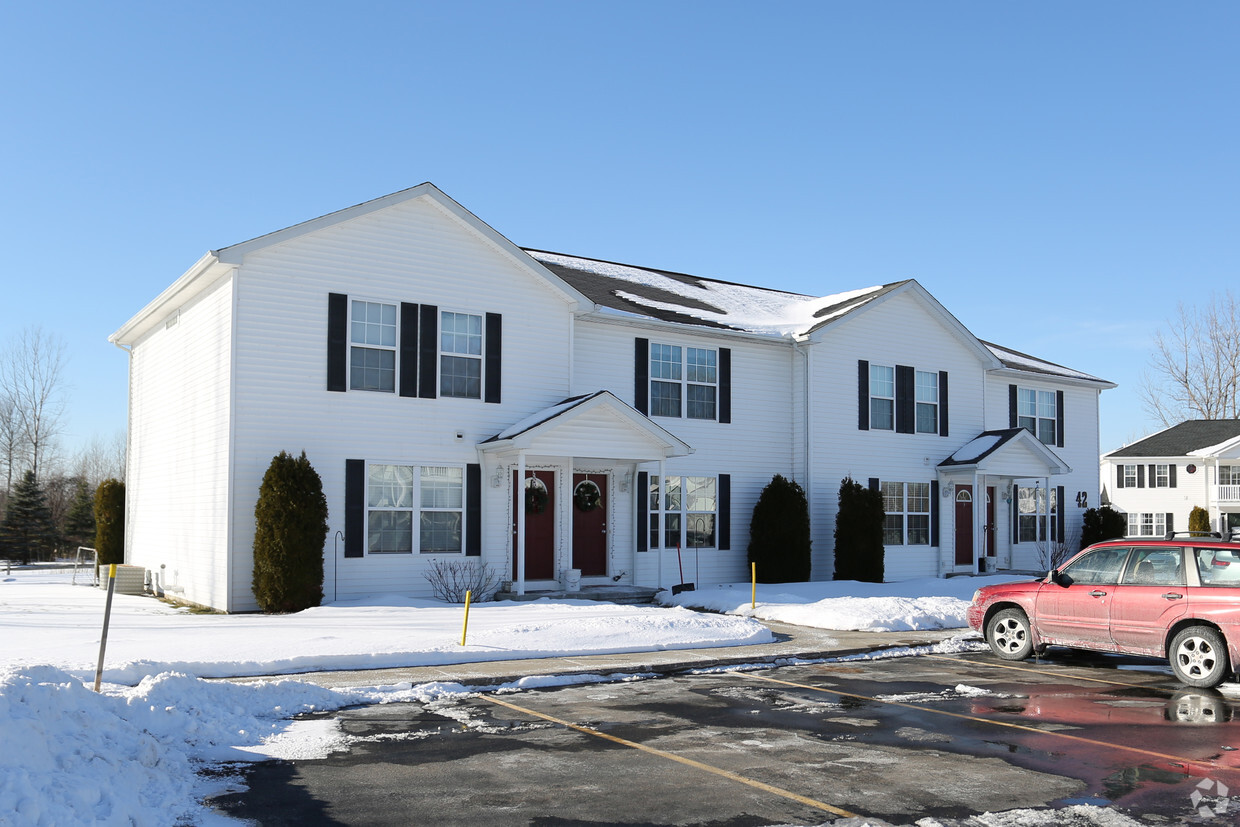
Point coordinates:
[(1227, 493)]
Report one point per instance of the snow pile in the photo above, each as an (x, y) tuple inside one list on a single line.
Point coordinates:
[(907, 605)]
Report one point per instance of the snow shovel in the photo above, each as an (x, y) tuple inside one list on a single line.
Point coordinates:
[(682, 586)]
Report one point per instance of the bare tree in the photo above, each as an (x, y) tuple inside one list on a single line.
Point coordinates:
[(31, 373), (101, 459), (1194, 372), (12, 444)]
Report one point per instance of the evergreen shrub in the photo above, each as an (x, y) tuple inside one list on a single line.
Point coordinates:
[(779, 534), (1105, 523), (859, 533), (27, 531), (1199, 520), (110, 521), (290, 528)]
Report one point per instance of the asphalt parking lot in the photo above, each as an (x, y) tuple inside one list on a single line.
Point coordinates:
[(933, 735)]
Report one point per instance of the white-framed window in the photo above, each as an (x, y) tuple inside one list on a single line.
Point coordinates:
[(1229, 475), (882, 397), (687, 515), (394, 493), (372, 349), (1162, 476), (460, 355), (906, 507), (684, 373), (1037, 411), (1032, 514), (1147, 525), (927, 402), (1130, 476)]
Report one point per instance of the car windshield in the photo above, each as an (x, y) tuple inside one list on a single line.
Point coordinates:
[(1100, 566)]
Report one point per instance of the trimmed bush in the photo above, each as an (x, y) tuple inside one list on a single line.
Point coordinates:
[(1199, 520), (290, 527), (1105, 523), (859, 533), (779, 534), (110, 521)]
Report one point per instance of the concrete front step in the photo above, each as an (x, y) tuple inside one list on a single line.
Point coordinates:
[(627, 595)]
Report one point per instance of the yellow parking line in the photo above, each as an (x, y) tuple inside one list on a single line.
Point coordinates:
[(1077, 738), (671, 756), (1038, 671)]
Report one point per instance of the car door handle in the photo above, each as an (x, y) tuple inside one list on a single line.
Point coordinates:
[(1097, 593), (1172, 596)]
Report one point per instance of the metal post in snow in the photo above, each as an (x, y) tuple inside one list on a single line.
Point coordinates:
[(107, 615), (465, 625)]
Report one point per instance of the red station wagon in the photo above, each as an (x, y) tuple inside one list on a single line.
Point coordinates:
[(1176, 598)]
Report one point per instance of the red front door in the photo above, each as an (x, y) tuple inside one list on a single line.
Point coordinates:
[(590, 524), (964, 525), (537, 497)]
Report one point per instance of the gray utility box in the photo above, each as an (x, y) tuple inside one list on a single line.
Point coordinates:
[(129, 579)]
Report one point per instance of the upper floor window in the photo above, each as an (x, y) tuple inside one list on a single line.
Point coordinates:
[(460, 359), (927, 402), (372, 354), (1038, 411), (1229, 475), (683, 373), (882, 397), (1130, 476), (1162, 476)]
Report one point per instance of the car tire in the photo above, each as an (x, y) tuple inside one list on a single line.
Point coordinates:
[(1009, 635), (1198, 656)]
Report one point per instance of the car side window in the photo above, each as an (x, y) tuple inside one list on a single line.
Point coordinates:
[(1218, 566), (1096, 568), (1155, 567)]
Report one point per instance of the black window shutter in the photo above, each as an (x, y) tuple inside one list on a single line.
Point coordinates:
[(863, 395), (1061, 509), (643, 511), (1015, 513), (408, 349), (1153, 475), (641, 375), (494, 357), (874, 486), (1171, 471), (1170, 522), (473, 510), (1140, 476), (934, 513), (428, 352), (1059, 419), (725, 385), (943, 431), (724, 540), (906, 400), (354, 507), (1012, 406), (337, 340), (1119, 476)]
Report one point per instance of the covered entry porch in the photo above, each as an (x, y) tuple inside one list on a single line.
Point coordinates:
[(565, 478), (999, 504)]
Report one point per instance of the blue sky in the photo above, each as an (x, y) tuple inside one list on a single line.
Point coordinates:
[(1059, 175)]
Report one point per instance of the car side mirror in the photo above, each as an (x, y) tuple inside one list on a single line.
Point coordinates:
[(1052, 576)]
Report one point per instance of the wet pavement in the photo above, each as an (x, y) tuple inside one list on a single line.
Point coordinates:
[(933, 735)]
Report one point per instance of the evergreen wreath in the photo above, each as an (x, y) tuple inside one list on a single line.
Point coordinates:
[(535, 496), (587, 496)]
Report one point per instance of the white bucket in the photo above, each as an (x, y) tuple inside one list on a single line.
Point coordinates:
[(571, 579)]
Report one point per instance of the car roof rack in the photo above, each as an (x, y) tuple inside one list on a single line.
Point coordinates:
[(1230, 536)]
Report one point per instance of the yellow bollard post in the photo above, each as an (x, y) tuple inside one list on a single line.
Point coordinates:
[(107, 615), (753, 593), (465, 627)]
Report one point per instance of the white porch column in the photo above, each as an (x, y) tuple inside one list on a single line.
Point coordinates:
[(660, 493), (520, 506), (979, 518)]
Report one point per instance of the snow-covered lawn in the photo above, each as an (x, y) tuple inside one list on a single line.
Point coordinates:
[(922, 603), (131, 754)]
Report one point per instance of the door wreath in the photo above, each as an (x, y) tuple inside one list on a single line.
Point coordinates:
[(587, 496), (535, 496)]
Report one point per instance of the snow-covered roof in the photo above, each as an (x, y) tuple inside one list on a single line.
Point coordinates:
[(991, 444), (695, 300), (1016, 360)]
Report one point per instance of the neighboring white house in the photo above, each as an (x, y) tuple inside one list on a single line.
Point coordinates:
[(463, 398), (1158, 480)]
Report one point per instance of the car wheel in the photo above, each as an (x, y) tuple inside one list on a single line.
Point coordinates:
[(1198, 657), (1009, 635)]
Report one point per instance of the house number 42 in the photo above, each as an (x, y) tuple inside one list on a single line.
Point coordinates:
[(1082, 499)]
